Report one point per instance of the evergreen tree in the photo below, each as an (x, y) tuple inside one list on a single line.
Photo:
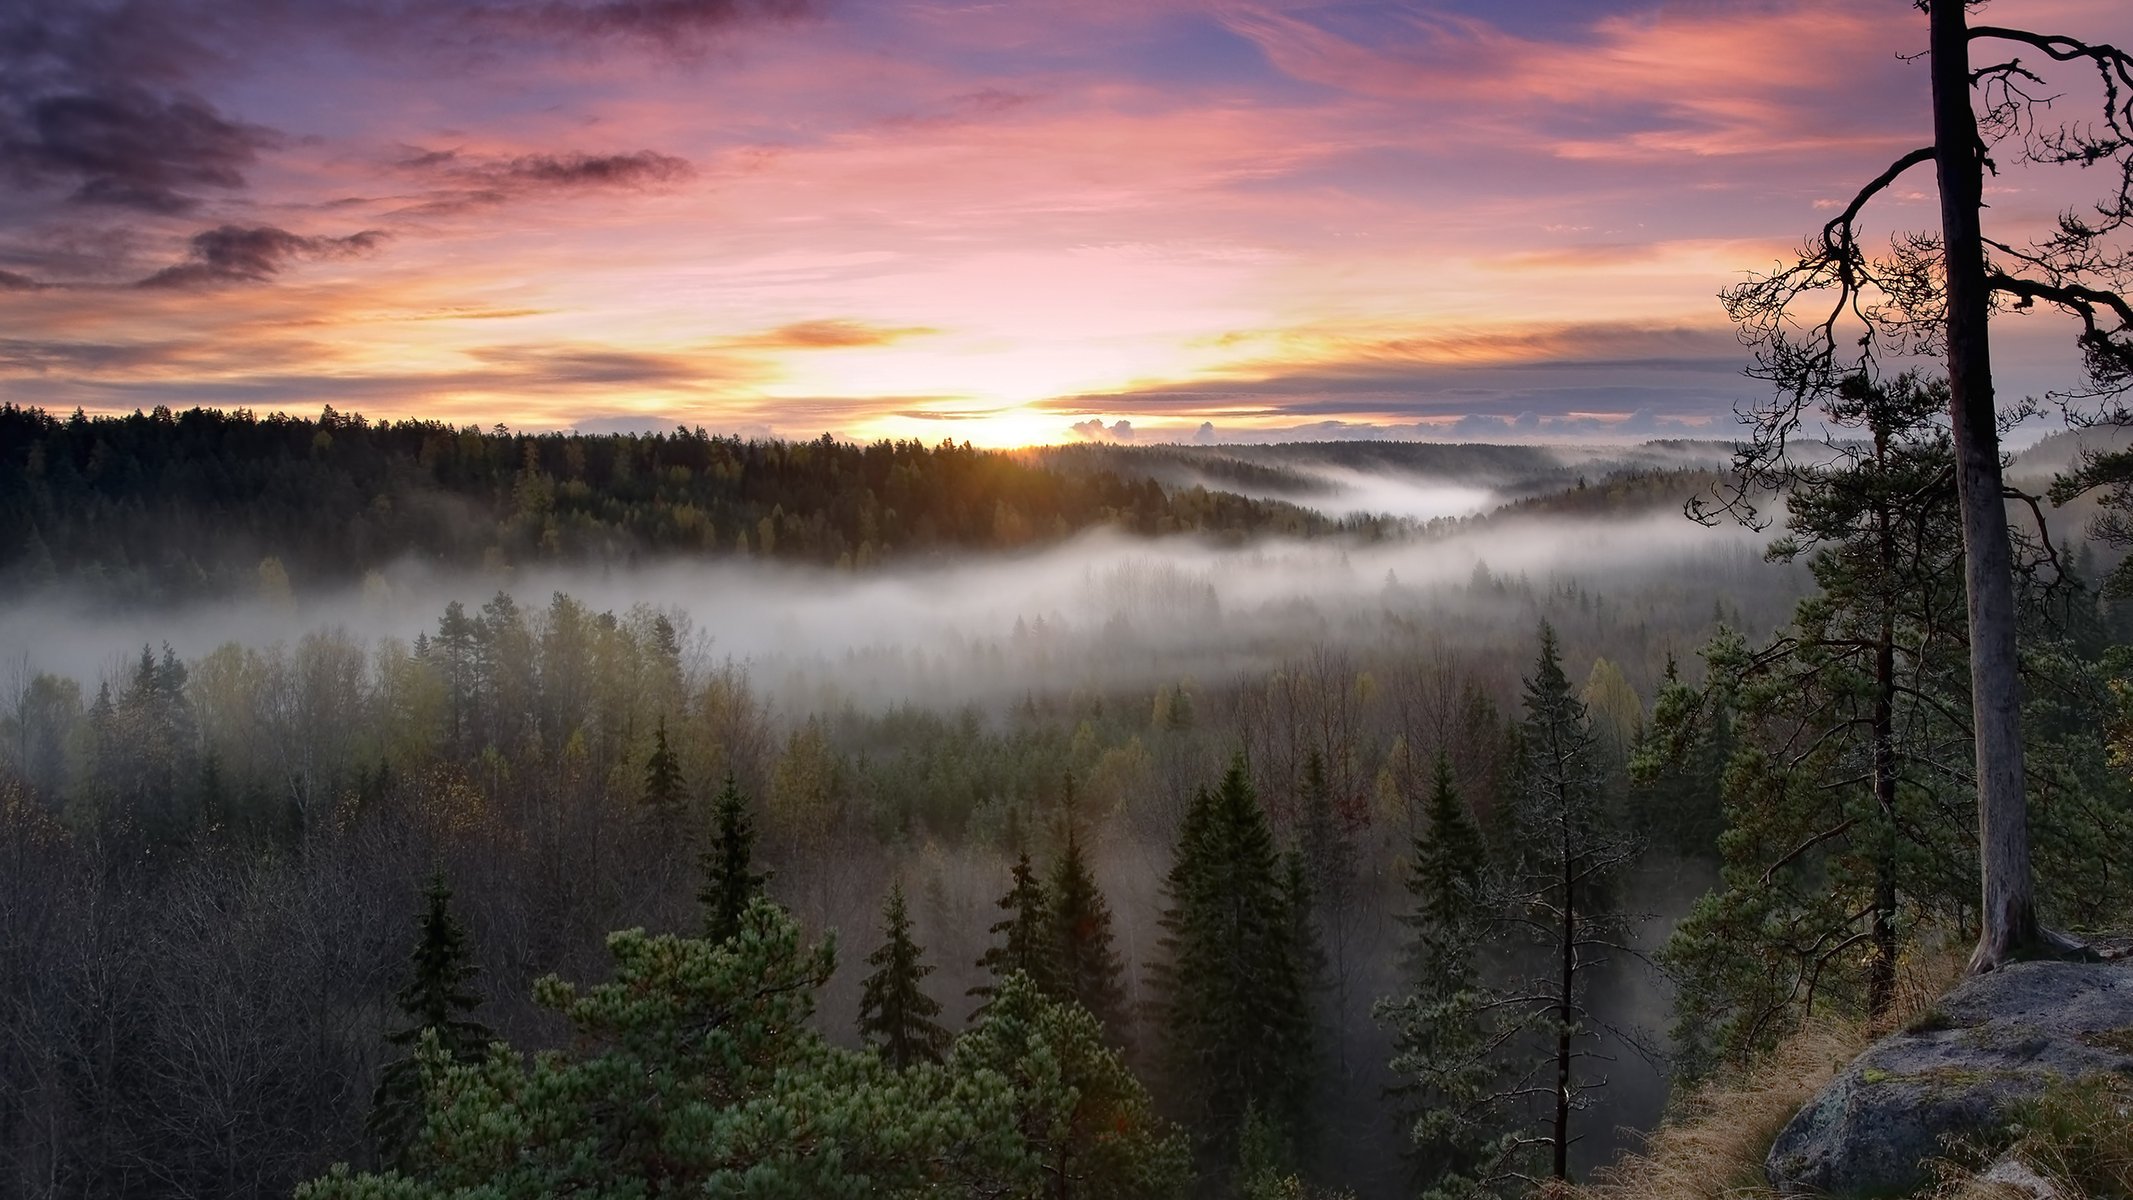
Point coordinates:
[(1233, 994), (1083, 1115), (1677, 767), (895, 1013), (1568, 853), (664, 792), (1327, 854), (1085, 966), (696, 1071), (1848, 814), (1444, 885), (1023, 937), (1461, 1127), (435, 1001), (731, 881)]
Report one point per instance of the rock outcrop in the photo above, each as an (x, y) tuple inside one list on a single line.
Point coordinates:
[(1960, 1070)]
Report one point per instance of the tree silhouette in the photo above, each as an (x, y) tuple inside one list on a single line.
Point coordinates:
[(664, 790), (1838, 310), (1024, 935), (436, 999), (895, 1013), (730, 878)]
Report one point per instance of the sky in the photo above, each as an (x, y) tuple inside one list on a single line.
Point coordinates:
[(1008, 222)]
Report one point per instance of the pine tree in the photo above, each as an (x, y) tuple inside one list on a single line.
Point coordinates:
[(1678, 764), (1086, 1120), (1843, 796), (664, 792), (435, 1000), (1233, 994), (1085, 966), (1024, 937), (730, 878), (895, 1013)]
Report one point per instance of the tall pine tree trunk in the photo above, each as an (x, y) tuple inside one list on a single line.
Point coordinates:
[(1881, 972), (1564, 1012), (2009, 920)]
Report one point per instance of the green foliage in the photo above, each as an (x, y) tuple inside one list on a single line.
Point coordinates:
[(665, 795), (1233, 990), (1024, 942), (1677, 763), (731, 882), (1444, 886), (1082, 1116), (895, 1014), (695, 1072), (1085, 968), (698, 1075), (435, 1001), (1448, 1033), (1568, 853), (1849, 821)]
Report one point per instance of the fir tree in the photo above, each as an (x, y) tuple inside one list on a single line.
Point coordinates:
[(1023, 937), (1085, 966), (664, 792), (436, 1001), (895, 1013), (1233, 995), (730, 878)]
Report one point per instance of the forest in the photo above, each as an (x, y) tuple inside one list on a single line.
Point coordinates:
[(1224, 847), (162, 506)]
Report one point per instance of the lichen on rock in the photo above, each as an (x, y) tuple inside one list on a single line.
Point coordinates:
[(1997, 1041)]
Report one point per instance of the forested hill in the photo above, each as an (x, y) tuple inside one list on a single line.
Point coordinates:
[(159, 506)]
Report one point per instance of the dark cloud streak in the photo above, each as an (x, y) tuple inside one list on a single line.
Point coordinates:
[(670, 24), (236, 254)]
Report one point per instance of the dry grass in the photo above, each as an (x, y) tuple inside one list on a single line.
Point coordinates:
[(2078, 1137), (1713, 1147)]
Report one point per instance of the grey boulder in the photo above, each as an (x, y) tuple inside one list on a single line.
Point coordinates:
[(1960, 1070)]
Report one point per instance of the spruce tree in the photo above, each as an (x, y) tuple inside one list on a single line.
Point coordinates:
[(664, 792), (436, 1001), (1568, 853), (1328, 855), (895, 1013), (730, 878), (1233, 995), (1444, 887), (1023, 937), (1460, 1128), (1085, 966)]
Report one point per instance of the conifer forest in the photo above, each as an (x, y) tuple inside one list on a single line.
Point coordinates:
[(629, 841), (1166, 600)]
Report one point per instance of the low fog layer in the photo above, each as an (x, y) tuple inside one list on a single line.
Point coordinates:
[(1100, 612)]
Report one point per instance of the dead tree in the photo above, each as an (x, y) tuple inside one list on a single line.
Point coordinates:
[(1840, 310)]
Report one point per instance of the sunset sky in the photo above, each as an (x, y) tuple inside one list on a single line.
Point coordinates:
[(1008, 221)]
